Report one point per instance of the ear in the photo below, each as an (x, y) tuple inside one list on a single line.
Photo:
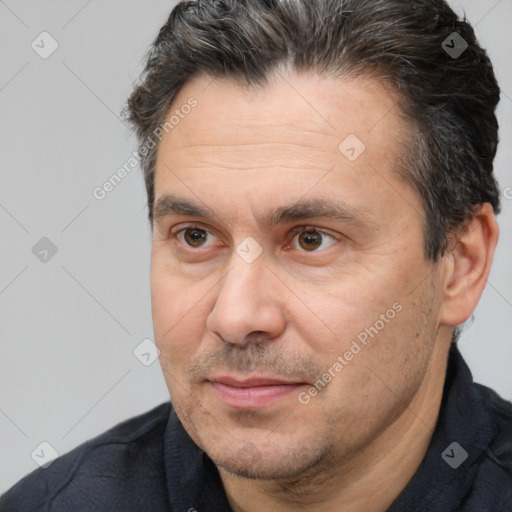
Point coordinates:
[(467, 265)]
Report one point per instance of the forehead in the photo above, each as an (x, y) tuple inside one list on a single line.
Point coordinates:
[(282, 138), (288, 103)]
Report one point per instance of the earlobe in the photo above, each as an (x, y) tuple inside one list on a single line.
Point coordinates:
[(467, 266)]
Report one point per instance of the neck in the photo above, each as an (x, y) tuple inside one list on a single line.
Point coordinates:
[(370, 479)]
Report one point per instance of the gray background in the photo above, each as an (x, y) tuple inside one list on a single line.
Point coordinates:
[(68, 326)]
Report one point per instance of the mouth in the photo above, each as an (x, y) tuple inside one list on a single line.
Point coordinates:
[(253, 392)]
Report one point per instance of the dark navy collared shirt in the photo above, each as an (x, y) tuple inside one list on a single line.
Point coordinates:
[(150, 464)]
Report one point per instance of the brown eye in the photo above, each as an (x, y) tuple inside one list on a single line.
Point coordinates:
[(195, 237), (311, 240)]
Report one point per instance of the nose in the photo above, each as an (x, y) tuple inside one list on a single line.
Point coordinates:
[(249, 304)]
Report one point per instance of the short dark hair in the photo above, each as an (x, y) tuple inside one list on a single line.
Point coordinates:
[(447, 100)]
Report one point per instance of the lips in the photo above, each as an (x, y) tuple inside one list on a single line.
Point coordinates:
[(253, 392), (251, 382)]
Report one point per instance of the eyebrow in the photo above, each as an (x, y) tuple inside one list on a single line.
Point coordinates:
[(300, 210)]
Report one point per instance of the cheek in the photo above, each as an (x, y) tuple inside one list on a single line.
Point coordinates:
[(338, 311), (179, 317), (366, 318)]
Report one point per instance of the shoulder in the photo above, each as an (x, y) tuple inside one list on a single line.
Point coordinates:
[(494, 476), (500, 412), (103, 471)]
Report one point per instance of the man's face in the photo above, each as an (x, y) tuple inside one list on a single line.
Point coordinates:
[(287, 336)]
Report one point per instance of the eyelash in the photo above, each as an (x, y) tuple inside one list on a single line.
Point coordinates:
[(296, 231)]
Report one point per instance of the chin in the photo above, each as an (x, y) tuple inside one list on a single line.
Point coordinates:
[(254, 464)]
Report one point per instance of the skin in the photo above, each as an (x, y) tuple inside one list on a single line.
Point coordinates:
[(301, 304)]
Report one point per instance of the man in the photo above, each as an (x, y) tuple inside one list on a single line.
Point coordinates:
[(321, 193)]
